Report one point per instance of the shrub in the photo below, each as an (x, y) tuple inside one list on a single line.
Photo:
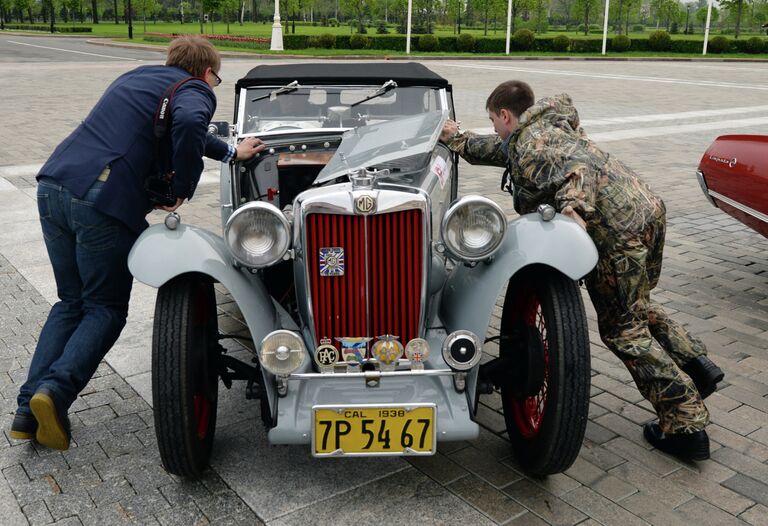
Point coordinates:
[(755, 45), (561, 43), (660, 41), (638, 28), (465, 42), (621, 43), (333, 22), (428, 43), (719, 44), (523, 39), (326, 41), (381, 27), (592, 45), (674, 28), (358, 41), (295, 41), (389, 42), (447, 44), (490, 45)]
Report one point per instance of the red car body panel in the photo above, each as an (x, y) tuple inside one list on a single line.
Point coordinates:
[(734, 176)]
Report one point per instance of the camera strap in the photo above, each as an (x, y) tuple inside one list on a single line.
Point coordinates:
[(162, 119)]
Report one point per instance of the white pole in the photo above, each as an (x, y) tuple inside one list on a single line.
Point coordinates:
[(408, 31), (509, 22), (277, 30), (605, 24), (706, 26)]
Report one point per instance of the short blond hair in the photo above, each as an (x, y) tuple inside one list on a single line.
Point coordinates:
[(193, 54)]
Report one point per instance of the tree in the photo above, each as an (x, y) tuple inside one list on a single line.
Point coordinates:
[(701, 15), (734, 8), (210, 7), (229, 10), (584, 11), (357, 9), (146, 7), (540, 10)]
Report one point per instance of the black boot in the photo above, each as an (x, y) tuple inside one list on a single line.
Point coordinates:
[(705, 374), (686, 446)]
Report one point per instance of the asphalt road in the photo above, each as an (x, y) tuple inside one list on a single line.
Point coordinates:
[(656, 116)]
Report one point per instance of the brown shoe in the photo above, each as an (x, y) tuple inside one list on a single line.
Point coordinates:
[(52, 427), (23, 427)]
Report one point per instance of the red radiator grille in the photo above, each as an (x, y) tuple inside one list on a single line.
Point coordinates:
[(386, 250)]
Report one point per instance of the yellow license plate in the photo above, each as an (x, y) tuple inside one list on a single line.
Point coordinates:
[(381, 430)]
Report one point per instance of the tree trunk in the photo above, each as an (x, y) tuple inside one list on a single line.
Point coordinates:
[(740, 4), (116, 20), (618, 19), (254, 10), (242, 12)]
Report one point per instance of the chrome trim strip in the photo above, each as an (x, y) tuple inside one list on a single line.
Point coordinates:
[(703, 185), (370, 374), (747, 210), (241, 112)]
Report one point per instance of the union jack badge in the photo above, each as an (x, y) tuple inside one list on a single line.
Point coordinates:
[(332, 261)]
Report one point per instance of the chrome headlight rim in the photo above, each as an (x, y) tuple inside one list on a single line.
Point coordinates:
[(259, 207), (459, 204)]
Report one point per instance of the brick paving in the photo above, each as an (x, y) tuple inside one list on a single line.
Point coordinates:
[(715, 280)]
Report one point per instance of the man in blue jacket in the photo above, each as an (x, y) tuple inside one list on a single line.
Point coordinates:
[(92, 203)]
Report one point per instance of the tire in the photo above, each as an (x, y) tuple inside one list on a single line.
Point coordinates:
[(547, 429), (185, 378)]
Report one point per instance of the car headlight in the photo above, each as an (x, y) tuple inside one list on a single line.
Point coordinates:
[(473, 228), (282, 352), (257, 234)]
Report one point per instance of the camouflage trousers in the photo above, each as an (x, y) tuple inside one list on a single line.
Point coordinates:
[(652, 346)]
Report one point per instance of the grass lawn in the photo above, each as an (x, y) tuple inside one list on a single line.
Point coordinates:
[(110, 29)]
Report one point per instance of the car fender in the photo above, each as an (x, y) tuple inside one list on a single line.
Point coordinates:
[(470, 292), (161, 254)]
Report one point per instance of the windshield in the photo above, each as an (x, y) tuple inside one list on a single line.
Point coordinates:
[(314, 107)]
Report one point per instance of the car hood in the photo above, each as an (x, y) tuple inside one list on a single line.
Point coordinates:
[(377, 144)]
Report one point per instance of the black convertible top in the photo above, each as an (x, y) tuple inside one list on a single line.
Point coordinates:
[(374, 73)]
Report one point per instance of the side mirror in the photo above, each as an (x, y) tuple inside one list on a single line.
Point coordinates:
[(219, 128)]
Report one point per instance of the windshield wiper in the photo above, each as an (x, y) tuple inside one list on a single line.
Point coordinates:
[(385, 88), (293, 86)]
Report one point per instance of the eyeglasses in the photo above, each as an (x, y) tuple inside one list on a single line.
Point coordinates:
[(218, 78)]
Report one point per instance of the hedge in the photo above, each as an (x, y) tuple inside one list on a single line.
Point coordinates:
[(57, 29), (450, 44)]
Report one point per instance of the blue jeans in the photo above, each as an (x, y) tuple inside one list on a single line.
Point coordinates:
[(89, 254)]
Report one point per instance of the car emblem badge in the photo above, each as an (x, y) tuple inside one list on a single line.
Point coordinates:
[(387, 350), (353, 351), (326, 356), (417, 351), (365, 204), (332, 261)]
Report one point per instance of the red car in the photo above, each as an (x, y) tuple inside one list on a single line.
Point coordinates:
[(734, 176)]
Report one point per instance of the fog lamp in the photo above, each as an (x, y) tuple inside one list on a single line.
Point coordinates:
[(282, 352), (462, 350)]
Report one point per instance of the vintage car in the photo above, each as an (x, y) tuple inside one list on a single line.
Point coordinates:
[(367, 286), (733, 173)]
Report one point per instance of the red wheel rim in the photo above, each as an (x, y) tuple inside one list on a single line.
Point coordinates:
[(529, 413), (202, 414)]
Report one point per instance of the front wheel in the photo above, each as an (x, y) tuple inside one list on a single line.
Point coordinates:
[(184, 373), (546, 424)]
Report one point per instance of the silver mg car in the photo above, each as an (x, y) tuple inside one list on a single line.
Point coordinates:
[(369, 288)]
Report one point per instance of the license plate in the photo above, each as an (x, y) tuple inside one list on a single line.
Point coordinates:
[(406, 429)]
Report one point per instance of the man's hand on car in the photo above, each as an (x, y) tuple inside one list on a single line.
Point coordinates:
[(248, 148), (450, 128)]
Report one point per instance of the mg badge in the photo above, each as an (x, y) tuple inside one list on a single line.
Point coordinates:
[(387, 350), (365, 204), (353, 350), (326, 356), (332, 261)]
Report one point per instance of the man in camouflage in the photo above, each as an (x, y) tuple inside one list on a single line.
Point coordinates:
[(549, 159)]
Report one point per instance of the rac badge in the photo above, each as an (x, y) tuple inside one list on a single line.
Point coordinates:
[(326, 356), (365, 204), (332, 261)]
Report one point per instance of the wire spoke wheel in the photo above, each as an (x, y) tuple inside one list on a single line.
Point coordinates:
[(185, 378), (546, 427)]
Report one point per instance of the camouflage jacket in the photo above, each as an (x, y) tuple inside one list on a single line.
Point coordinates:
[(553, 161)]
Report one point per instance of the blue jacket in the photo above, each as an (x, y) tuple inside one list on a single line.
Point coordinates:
[(119, 133)]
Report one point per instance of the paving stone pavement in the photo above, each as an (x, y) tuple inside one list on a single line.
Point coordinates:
[(715, 280)]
